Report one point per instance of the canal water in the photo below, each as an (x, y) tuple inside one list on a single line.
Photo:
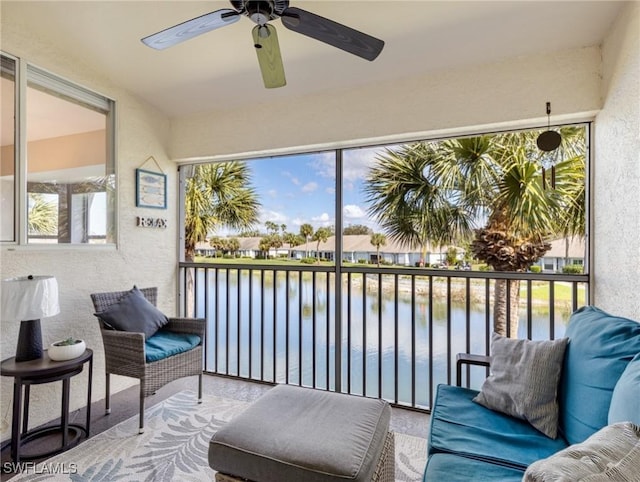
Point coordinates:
[(285, 332)]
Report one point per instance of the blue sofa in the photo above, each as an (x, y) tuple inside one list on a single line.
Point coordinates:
[(470, 442)]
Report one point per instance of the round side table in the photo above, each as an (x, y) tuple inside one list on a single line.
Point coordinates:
[(45, 370)]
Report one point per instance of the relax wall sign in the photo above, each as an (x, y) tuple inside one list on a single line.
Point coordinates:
[(144, 222)]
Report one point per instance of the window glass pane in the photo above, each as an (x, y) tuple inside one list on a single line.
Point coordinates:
[(492, 201), (70, 181), (7, 149), (358, 226), (277, 210)]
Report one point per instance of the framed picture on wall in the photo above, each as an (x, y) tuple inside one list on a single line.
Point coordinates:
[(151, 189)]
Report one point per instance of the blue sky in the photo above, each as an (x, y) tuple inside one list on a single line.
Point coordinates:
[(299, 189)]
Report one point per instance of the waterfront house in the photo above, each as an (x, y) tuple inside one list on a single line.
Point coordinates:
[(564, 252), (357, 248)]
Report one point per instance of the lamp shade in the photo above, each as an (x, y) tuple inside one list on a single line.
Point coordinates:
[(29, 298)]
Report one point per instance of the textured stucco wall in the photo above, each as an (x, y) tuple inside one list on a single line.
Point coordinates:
[(502, 93), (617, 171), (144, 256)]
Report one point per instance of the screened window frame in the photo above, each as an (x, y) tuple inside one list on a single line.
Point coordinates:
[(27, 73), (185, 170), (10, 65)]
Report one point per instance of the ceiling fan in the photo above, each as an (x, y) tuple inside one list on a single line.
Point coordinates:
[(265, 38)]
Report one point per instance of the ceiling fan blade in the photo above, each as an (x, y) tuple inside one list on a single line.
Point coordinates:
[(265, 40), (332, 33), (191, 28)]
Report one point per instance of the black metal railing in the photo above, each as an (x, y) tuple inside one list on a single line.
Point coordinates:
[(389, 333)]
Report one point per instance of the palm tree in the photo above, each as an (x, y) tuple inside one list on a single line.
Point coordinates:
[(320, 236), (218, 195), (487, 189), (377, 240), (272, 227), (406, 199), (306, 230), (218, 244), (264, 246), (292, 240), (234, 245), (528, 210)]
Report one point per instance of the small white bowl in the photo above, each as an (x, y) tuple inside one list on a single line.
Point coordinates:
[(66, 352)]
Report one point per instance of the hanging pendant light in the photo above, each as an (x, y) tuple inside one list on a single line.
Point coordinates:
[(549, 140)]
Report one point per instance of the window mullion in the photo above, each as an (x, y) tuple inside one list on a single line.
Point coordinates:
[(21, 154)]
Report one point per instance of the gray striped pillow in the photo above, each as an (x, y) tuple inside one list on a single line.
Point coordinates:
[(524, 380), (612, 454)]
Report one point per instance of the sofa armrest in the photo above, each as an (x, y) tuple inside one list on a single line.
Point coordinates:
[(469, 359)]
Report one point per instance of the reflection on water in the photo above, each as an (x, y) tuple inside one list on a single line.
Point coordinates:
[(244, 315)]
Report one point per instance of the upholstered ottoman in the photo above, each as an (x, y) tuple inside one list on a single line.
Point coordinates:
[(299, 434)]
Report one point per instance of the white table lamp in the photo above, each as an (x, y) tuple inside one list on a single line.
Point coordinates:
[(27, 299)]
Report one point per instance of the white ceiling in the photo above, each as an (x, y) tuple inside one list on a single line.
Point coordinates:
[(219, 70)]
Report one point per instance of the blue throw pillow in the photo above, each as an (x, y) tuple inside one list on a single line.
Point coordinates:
[(600, 347), (625, 402), (134, 313)]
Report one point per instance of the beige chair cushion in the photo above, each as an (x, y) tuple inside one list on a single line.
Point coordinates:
[(612, 454)]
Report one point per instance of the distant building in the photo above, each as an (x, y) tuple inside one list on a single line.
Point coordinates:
[(249, 248), (357, 248), (563, 252)]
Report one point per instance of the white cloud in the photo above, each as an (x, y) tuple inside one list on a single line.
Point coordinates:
[(273, 193), (293, 179), (324, 217), (355, 163), (351, 211), (273, 216), (310, 187), (323, 220)]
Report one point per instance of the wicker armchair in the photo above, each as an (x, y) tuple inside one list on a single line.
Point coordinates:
[(124, 352)]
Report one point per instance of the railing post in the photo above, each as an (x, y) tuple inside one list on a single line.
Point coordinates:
[(337, 308)]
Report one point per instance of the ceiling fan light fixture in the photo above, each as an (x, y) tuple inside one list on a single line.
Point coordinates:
[(260, 12), (259, 18)]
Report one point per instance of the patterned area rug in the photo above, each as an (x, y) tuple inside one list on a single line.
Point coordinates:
[(174, 447)]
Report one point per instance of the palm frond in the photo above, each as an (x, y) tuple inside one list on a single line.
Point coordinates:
[(219, 194), (42, 217), (440, 192)]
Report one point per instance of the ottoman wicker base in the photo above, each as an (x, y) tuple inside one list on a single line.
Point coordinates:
[(300, 434)]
